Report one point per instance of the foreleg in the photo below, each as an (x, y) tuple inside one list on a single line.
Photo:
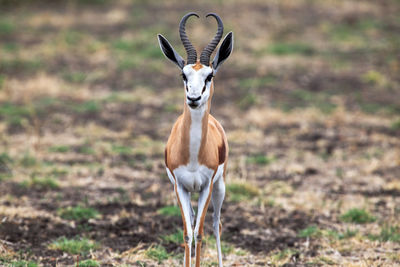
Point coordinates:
[(204, 200), (183, 198), (218, 195)]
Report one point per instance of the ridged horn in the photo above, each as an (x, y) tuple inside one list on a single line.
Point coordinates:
[(207, 51), (190, 50)]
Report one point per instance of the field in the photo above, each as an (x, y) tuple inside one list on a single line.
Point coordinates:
[(310, 101)]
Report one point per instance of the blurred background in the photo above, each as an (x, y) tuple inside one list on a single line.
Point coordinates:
[(310, 101)]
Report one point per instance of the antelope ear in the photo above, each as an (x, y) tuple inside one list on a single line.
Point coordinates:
[(170, 52), (223, 52)]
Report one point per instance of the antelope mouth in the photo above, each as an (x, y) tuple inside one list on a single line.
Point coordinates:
[(193, 105)]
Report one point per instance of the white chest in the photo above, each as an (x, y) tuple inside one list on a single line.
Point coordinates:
[(195, 181), (195, 137)]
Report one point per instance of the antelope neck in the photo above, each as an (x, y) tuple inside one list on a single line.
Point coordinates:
[(195, 131)]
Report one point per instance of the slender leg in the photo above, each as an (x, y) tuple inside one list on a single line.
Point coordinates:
[(218, 195), (204, 200), (183, 198), (192, 213)]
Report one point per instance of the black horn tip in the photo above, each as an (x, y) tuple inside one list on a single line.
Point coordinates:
[(211, 14), (215, 16), (191, 14)]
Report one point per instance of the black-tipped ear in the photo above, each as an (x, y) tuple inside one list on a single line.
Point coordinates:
[(223, 52), (170, 52)]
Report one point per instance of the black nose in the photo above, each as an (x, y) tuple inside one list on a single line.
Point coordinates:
[(194, 98)]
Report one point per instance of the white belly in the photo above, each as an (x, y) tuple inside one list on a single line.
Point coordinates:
[(195, 180)]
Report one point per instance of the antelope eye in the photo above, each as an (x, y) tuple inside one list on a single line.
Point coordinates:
[(184, 77), (209, 77)]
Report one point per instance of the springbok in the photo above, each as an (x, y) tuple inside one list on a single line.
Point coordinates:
[(196, 154)]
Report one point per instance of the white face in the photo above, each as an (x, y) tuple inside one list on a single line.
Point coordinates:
[(197, 85)]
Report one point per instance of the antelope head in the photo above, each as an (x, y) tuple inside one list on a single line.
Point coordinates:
[(197, 75)]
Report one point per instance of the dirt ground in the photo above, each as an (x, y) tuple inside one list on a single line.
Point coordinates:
[(309, 99)]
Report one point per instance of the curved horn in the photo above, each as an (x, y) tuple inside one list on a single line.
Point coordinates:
[(190, 50), (206, 53)]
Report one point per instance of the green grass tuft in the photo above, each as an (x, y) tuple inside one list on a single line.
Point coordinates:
[(226, 248), (354, 32), (88, 107), (128, 63), (249, 100), (85, 149), (22, 263), (41, 183), (19, 66), (2, 79), (78, 213), (72, 37), (260, 159), (241, 191), (5, 176), (5, 165), (59, 149), (359, 216), (88, 263), (157, 253), (124, 45), (74, 246), (320, 100), (92, 2), (388, 233), (28, 161), (5, 158), (131, 47), (373, 108), (13, 114), (348, 234), (57, 172), (11, 47), (258, 82), (337, 235), (374, 78), (6, 27), (284, 254), (291, 49), (175, 238), (311, 231), (169, 211), (74, 77), (121, 150), (396, 125), (325, 261)]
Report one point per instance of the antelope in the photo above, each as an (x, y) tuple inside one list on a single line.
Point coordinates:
[(196, 154)]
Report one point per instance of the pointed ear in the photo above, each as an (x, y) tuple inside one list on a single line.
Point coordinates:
[(223, 52), (170, 52)]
